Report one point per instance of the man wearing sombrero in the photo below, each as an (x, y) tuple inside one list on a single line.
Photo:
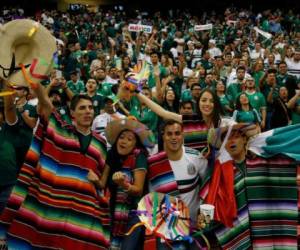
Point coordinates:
[(53, 204), (254, 187)]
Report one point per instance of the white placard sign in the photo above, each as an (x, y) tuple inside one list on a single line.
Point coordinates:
[(139, 27), (203, 27)]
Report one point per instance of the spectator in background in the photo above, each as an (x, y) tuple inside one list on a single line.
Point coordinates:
[(244, 113), (281, 115), (75, 84)]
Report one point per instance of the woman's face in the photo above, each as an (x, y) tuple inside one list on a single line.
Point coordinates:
[(170, 96), (126, 60), (163, 59), (244, 99), (126, 143), (206, 104), (220, 87)]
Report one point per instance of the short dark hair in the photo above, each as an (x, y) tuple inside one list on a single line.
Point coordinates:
[(195, 85), (181, 105), (241, 67), (76, 99), (170, 122), (272, 71), (282, 62)]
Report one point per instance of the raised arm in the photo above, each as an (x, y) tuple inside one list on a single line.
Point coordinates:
[(45, 106), (160, 111), (9, 106)]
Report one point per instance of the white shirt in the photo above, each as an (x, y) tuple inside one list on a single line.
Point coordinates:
[(101, 121), (187, 171)]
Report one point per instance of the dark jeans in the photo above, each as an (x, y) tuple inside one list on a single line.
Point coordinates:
[(136, 239), (4, 195)]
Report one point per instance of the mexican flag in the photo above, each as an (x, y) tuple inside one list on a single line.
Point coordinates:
[(285, 140)]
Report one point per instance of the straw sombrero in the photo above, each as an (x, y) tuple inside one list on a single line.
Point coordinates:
[(26, 52), (114, 128)]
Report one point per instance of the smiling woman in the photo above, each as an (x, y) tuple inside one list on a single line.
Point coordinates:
[(126, 168), (195, 126)]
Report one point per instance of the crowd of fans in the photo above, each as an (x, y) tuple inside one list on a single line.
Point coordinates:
[(247, 62)]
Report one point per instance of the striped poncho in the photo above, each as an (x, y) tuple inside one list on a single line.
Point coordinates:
[(266, 194), (53, 205), (266, 198), (195, 132)]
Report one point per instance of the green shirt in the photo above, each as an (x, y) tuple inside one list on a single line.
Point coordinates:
[(147, 117), (225, 103), (257, 100), (24, 134), (98, 103), (233, 91), (151, 79), (76, 88), (8, 164), (85, 141), (206, 64), (257, 76), (250, 116), (176, 85), (65, 114)]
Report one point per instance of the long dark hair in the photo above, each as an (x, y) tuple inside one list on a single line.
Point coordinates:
[(175, 106), (217, 111), (116, 159), (115, 163), (238, 105)]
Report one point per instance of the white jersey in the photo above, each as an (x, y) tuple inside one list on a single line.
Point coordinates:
[(293, 68), (101, 121), (188, 172)]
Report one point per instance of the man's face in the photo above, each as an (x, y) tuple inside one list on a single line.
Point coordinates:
[(196, 92), (208, 79), (113, 73), (228, 59), (240, 74), (283, 92), (100, 74), (83, 114), (250, 83), (257, 46), (186, 109), (282, 68), (219, 62), (74, 77), (91, 85), (271, 78), (21, 92), (154, 58), (297, 56), (173, 138), (109, 106), (235, 145)]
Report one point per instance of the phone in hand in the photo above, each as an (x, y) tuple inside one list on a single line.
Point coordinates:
[(58, 74)]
